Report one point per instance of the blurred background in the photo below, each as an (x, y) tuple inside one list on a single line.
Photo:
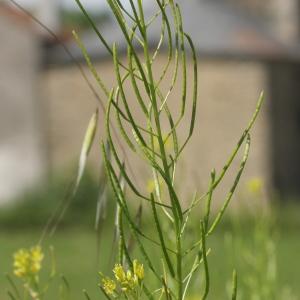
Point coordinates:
[(243, 46)]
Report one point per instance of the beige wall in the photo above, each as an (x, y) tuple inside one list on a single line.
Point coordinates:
[(228, 92), (21, 123)]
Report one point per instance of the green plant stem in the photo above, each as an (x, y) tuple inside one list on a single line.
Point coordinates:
[(234, 285), (177, 213), (179, 269), (176, 205)]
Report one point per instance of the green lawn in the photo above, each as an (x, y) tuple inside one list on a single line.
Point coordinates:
[(76, 254), (75, 250)]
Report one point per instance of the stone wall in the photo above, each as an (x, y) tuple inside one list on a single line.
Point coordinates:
[(228, 92)]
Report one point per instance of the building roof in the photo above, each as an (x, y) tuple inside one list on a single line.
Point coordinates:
[(217, 29)]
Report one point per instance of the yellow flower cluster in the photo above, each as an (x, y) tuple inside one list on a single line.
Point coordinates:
[(27, 262), (138, 270), (109, 285), (127, 280)]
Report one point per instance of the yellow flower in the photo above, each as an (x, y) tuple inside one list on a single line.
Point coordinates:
[(130, 282), (37, 257), (28, 262), (126, 280), (21, 263), (255, 185), (151, 185), (109, 285), (119, 273), (138, 269)]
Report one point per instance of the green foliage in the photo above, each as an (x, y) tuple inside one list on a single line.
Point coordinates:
[(173, 259), (37, 205), (257, 254), (82, 273), (180, 260)]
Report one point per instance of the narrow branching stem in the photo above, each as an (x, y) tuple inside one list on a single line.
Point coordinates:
[(161, 238), (232, 190), (148, 140), (179, 268), (175, 202), (234, 286), (206, 270)]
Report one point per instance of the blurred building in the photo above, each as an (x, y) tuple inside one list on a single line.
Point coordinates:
[(240, 53), (281, 16), (22, 159)]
